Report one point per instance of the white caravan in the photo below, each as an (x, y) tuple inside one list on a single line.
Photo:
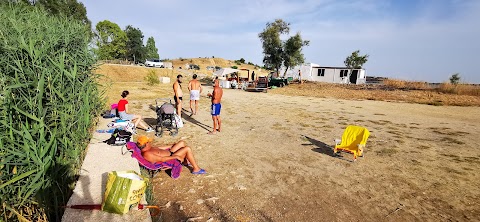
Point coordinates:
[(314, 72)]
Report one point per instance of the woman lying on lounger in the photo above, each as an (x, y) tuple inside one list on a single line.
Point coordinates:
[(124, 115), (177, 151)]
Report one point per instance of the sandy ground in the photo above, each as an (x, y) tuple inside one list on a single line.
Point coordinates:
[(273, 160)]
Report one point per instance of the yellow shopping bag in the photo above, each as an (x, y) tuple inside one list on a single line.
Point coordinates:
[(124, 190)]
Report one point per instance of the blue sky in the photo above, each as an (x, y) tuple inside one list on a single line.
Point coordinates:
[(423, 40)]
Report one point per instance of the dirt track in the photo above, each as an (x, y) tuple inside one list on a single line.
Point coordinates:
[(272, 161)]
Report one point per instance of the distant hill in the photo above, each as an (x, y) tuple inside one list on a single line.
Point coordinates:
[(131, 73), (223, 63), (134, 73)]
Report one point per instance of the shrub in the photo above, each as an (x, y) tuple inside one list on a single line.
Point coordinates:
[(459, 89), (195, 67), (467, 89), (409, 85), (207, 80), (455, 78), (48, 99), (234, 67), (152, 78), (240, 61)]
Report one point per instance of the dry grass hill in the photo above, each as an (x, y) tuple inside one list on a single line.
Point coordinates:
[(204, 62), (132, 73), (411, 92)]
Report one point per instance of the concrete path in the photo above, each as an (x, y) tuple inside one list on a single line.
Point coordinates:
[(101, 159)]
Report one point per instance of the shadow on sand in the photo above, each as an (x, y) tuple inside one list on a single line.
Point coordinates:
[(322, 148), (185, 115), (152, 107), (152, 122), (189, 118)]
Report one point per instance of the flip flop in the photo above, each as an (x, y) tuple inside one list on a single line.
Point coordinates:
[(201, 171)]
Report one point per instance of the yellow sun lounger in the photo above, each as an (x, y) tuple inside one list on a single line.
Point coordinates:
[(353, 141)]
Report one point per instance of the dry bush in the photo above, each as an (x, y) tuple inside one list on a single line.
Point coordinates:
[(123, 73), (377, 92), (459, 89), (402, 84), (393, 83), (446, 88), (417, 85)]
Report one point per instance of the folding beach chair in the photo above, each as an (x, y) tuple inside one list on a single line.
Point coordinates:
[(353, 141), (153, 169)]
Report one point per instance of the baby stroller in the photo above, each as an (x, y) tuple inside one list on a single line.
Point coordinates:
[(165, 117)]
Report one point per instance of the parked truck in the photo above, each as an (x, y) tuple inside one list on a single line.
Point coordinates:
[(278, 82)]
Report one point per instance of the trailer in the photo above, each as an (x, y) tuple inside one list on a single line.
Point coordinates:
[(260, 85), (314, 72)]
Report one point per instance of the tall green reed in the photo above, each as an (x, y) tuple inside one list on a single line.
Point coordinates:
[(48, 100)]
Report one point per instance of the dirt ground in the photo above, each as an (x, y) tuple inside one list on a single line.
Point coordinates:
[(273, 160)]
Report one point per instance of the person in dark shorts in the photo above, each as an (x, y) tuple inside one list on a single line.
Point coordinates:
[(178, 94)]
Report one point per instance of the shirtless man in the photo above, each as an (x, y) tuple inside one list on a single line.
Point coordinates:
[(178, 95), (195, 89), (177, 151), (216, 107)]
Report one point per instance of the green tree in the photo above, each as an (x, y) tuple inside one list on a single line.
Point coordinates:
[(455, 78), (111, 40), (71, 8), (355, 61), (272, 44), (67, 8), (135, 48), (151, 50), (277, 52), (292, 51)]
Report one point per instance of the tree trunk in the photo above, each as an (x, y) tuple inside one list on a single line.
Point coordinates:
[(349, 75), (285, 73)]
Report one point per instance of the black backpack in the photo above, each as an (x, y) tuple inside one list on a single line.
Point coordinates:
[(111, 114), (119, 138)]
